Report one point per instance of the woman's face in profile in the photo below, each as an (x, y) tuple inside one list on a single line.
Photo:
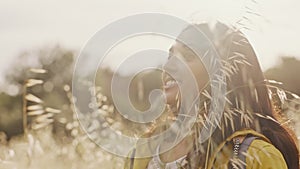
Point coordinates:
[(181, 58)]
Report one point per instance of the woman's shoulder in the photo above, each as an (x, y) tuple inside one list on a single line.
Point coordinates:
[(262, 154)]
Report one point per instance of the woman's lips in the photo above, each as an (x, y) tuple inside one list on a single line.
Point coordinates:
[(170, 84)]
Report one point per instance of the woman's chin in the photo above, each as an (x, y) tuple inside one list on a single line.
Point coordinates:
[(170, 98), (172, 103)]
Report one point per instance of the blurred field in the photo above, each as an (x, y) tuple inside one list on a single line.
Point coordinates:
[(39, 127)]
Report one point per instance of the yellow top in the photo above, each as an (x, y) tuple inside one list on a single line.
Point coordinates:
[(261, 154)]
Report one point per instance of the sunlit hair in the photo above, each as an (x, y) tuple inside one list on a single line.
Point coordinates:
[(249, 105)]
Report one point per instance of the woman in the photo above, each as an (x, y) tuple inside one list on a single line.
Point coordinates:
[(249, 134)]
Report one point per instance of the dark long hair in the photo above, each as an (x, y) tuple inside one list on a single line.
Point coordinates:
[(247, 93)]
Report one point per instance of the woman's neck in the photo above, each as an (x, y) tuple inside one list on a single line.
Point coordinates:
[(178, 151)]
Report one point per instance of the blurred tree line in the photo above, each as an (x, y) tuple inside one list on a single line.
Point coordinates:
[(55, 90), (286, 72), (58, 63)]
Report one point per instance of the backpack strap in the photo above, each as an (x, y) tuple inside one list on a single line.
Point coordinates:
[(132, 159), (244, 148)]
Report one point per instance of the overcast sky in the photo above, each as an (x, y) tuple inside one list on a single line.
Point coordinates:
[(30, 24)]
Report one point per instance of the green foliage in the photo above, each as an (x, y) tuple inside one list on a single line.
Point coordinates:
[(10, 114)]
